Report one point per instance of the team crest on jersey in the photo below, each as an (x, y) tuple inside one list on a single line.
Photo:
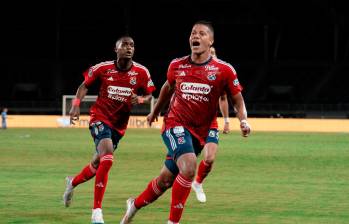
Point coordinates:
[(211, 77), (90, 72), (133, 80), (236, 82)]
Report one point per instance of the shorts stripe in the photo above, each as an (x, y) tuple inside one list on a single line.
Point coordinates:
[(172, 140)]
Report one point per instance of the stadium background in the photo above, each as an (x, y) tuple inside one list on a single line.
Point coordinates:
[(291, 57)]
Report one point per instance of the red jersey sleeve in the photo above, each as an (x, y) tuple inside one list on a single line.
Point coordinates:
[(91, 75), (233, 84), (148, 83), (171, 75)]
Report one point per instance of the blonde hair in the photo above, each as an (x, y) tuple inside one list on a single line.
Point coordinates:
[(213, 52)]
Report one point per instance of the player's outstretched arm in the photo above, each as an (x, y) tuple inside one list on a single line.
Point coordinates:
[(74, 112), (164, 97), (241, 113)]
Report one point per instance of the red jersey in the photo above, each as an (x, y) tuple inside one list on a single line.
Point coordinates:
[(113, 105), (196, 96)]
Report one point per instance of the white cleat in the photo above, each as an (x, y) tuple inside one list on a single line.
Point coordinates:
[(130, 211), (97, 216), (170, 222), (200, 194), (68, 193)]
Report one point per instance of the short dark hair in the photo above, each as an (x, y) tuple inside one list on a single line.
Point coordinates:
[(121, 38), (205, 23)]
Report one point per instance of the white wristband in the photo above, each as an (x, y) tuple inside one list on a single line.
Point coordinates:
[(226, 120)]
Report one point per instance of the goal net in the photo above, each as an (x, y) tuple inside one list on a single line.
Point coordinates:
[(89, 100)]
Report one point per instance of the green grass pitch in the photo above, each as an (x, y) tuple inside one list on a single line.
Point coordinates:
[(267, 178)]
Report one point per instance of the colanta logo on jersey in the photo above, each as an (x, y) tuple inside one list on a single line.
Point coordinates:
[(192, 87), (119, 93), (118, 90)]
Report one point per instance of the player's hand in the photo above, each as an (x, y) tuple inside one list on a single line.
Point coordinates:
[(74, 114), (245, 128), (226, 128), (151, 118), (135, 99)]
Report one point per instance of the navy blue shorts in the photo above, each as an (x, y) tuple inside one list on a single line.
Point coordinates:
[(179, 141), (100, 130)]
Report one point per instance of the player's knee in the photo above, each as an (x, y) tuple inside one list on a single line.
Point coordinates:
[(209, 160), (165, 182), (95, 164), (189, 172)]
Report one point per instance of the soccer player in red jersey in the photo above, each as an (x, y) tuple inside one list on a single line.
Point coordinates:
[(194, 85), (210, 148), (123, 83)]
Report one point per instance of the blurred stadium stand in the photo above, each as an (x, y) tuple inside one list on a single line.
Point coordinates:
[(292, 59)]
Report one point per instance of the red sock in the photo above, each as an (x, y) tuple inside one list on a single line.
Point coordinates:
[(180, 192), (101, 180), (150, 194), (86, 173), (204, 169)]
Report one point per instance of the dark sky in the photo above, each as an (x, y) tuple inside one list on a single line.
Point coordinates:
[(50, 43)]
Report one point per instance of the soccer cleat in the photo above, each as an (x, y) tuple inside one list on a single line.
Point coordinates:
[(170, 222), (130, 211), (200, 194), (97, 216), (68, 193)]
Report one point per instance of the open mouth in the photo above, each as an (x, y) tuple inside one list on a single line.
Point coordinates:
[(196, 43)]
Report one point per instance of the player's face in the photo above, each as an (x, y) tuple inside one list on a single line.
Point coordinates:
[(200, 39), (125, 48)]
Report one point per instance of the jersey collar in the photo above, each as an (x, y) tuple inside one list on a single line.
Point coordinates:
[(200, 64), (121, 70)]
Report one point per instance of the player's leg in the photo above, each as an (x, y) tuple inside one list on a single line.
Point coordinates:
[(88, 172), (205, 166), (85, 174), (153, 191), (181, 147), (106, 141)]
